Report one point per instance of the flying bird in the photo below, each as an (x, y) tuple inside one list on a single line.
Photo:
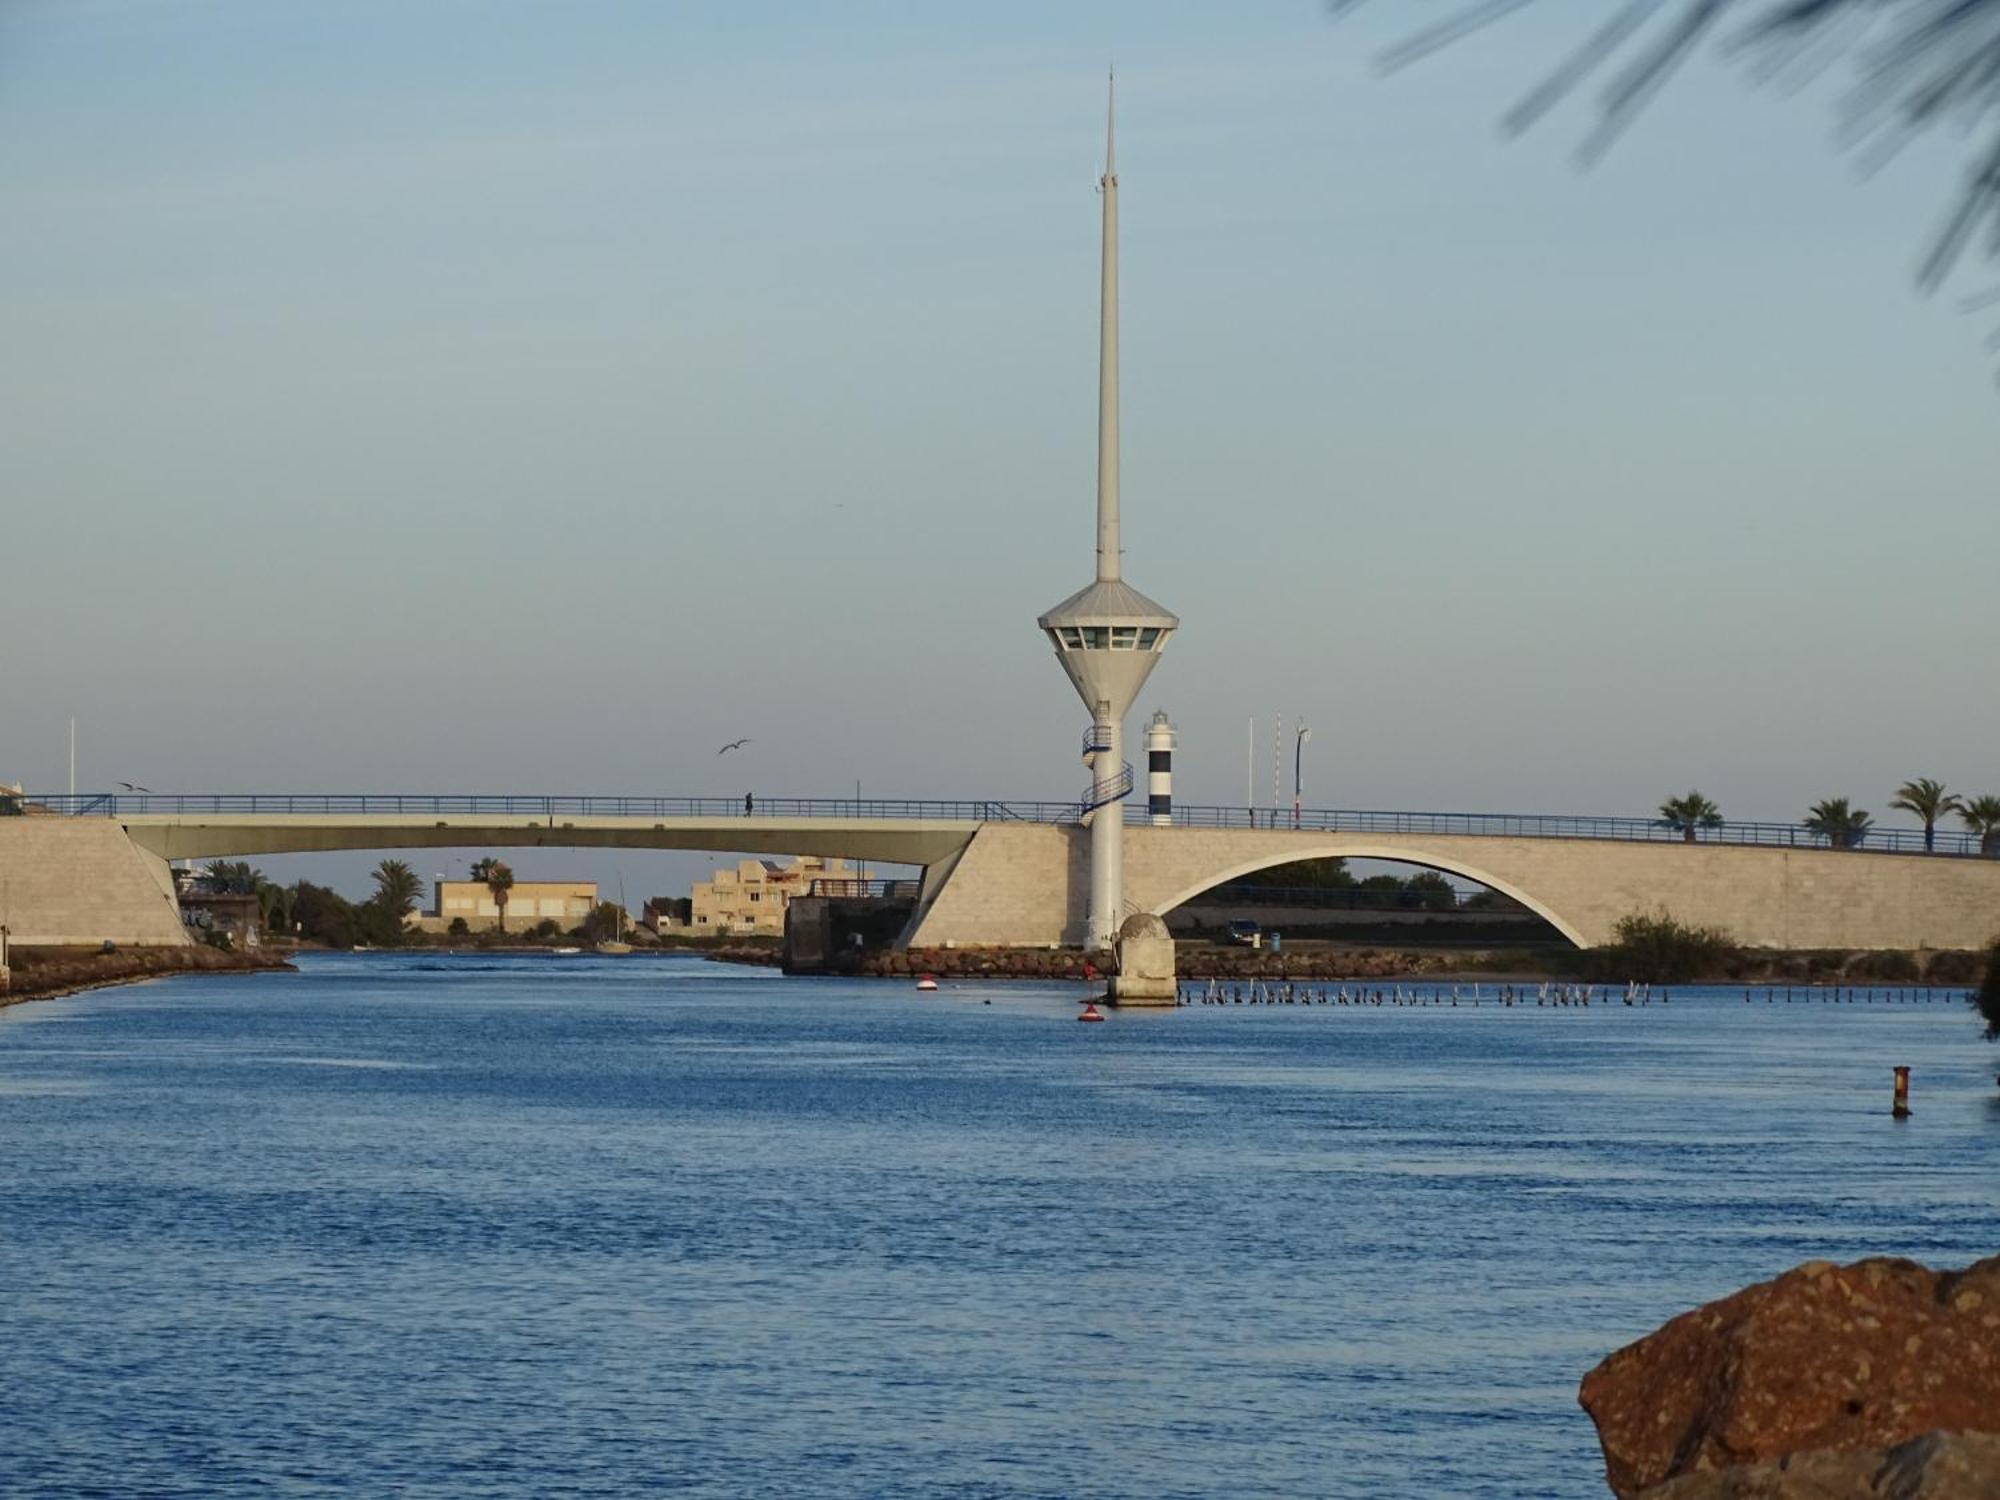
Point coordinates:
[(131, 788), (733, 745)]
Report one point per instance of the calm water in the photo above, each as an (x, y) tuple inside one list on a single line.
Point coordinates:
[(590, 1227)]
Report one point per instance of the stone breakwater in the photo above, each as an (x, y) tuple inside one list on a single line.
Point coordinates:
[(1191, 963), (1829, 1380), (44, 973)]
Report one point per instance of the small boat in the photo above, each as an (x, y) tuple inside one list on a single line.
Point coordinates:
[(565, 952), (614, 947), (926, 984)]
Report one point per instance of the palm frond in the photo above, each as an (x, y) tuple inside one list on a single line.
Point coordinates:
[(1918, 65)]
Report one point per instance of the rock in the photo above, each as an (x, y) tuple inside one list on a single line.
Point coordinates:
[(1145, 955), (1826, 1357), (1937, 1466)]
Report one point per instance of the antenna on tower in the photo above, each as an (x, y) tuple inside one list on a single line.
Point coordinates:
[(1111, 125)]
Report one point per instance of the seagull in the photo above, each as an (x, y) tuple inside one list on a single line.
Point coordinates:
[(732, 745), (131, 788)]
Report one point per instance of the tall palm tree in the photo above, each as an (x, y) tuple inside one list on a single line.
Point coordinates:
[(499, 880), (1929, 801), (1981, 815), (1688, 815), (1841, 826), (396, 887)]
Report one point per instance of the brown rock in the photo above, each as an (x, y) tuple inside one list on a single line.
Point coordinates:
[(1825, 1357), (1937, 1466)]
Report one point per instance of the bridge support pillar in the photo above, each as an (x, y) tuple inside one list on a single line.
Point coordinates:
[(1145, 955)]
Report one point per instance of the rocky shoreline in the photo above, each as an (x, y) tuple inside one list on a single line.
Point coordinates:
[(48, 973), (1869, 1381)]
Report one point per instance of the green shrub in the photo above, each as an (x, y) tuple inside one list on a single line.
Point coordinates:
[(1893, 967), (1658, 949), (1955, 967), (458, 927), (1988, 998)]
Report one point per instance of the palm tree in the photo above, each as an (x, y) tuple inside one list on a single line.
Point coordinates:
[(234, 877), (1688, 815), (1929, 801), (396, 887), (499, 880), (1841, 826), (1982, 816)]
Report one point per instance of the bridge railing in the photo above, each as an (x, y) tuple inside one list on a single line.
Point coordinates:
[(868, 890), (551, 809), (1553, 826), (554, 811)]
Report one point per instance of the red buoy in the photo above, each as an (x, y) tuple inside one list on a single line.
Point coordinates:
[(1090, 1012)]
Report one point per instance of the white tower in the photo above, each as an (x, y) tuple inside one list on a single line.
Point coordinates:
[(1107, 636)]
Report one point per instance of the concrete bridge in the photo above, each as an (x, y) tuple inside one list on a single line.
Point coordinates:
[(1016, 873)]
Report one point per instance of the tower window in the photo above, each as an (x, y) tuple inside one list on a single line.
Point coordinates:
[(1148, 638), (1124, 637), (1096, 637)]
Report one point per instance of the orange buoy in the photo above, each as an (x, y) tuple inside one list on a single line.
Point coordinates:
[(1090, 1012)]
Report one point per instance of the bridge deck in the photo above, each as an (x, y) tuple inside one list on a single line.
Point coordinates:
[(669, 813)]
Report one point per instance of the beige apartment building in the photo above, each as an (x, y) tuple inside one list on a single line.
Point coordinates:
[(750, 900), (529, 903)]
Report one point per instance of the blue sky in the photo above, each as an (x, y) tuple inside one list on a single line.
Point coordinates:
[(444, 395)]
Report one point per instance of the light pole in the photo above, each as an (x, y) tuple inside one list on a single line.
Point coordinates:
[(1298, 771)]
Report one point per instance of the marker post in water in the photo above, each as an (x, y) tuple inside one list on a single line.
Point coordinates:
[(1901, 1108)]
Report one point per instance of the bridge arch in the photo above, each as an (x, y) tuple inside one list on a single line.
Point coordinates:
[(1398, 853)]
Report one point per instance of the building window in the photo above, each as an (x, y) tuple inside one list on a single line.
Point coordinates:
[(1124, 637), (1148, 638), (756, 895)]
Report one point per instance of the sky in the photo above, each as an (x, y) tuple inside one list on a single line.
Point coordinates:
[(487, 395)]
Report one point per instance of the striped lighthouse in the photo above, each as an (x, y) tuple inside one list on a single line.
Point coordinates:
[(1160, 741)]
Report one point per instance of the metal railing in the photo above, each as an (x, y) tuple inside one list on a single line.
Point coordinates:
[(1101, 793), (1561, 826), (554, 811), (1431, 899), (868, 890), (550, 810)]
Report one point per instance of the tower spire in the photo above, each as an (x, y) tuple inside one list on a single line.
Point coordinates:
[(1107, 352), (1107, 635)]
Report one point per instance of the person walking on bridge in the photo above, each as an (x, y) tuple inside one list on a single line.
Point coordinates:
[(749, 804)]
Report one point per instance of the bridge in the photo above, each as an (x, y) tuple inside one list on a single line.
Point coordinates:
[(1011, 873)]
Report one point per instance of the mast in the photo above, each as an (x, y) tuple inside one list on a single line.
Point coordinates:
[(1107, 352)]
